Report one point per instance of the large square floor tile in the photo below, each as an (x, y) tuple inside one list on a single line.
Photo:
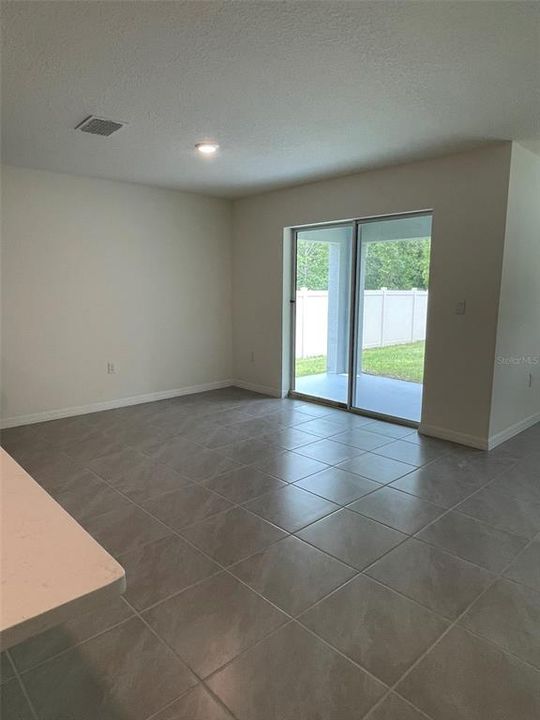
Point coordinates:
[(362, 439), (6, 669), (323, 427), (149, 480), (217, 436), (526, 567), (399, 510), (354, 539), (377, 628), (292, 574), (243, 484), (249, 452), (61, 637), (329, 451), (508, 614), (378, 468), (123, 673), (411, 453), (290, 466), (492, 464), (196, 704), (93, 446), (439, 485), (290, 415), (119, 463), (186, 506), (126, 529), (173, 451), (473, 540), (141, 435), (232, 535), (467, 678), (290, 438), (52, 470), (521, 482), (394, 707), (206, 464), (338, 485), (291, 508), (19, 439), (209, 624), (193, 461), (68, 432), (293, 676), (432, 577), (263, 425), (496, 508), (162, 568), (190, 459), (88, 496), (13, 704), (314, 410)]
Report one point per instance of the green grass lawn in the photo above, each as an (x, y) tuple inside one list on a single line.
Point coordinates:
[(403, 362)]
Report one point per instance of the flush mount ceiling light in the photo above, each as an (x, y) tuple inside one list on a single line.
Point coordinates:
[(207, 147)]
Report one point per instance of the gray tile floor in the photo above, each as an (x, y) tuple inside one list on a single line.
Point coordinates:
[(287, 560)]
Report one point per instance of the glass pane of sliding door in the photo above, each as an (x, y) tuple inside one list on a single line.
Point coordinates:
[(323, 258), (391, 311)]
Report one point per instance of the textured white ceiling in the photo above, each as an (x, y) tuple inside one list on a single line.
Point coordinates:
[(293, 91)]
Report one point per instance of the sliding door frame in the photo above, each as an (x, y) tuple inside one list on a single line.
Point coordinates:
[(292, 302), (356, 311), (357, 272)]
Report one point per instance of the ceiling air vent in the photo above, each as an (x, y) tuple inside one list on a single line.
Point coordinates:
[(99, 126)]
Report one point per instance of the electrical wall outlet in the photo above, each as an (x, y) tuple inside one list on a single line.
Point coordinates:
[(461, 306), (111, 369)]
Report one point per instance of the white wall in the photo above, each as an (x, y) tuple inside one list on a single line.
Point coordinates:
[(468, 194), (97, 271), (515, 404)]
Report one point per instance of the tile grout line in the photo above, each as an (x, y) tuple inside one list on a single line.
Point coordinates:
[(30, 668), (289, 534), (16, 672), (199, 678), (22, 686), (408, 536), (452, 625), (185, 694), (228, 569)]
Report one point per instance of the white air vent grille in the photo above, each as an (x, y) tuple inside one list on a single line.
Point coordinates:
[(99, 126)]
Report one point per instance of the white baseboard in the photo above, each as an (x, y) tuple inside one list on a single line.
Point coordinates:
[(111, 404), (453, 436), (262, 389), (514, 429)]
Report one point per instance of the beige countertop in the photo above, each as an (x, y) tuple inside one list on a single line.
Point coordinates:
[(51, 569)]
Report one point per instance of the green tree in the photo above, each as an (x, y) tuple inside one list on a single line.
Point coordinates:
[(398, 264), (395, 264), (312, 265)]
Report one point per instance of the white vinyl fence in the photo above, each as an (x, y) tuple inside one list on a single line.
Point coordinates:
[(391, 317)]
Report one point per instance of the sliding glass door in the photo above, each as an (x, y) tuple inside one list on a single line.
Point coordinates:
[(390, 318), (360, 310), (322, 302)]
